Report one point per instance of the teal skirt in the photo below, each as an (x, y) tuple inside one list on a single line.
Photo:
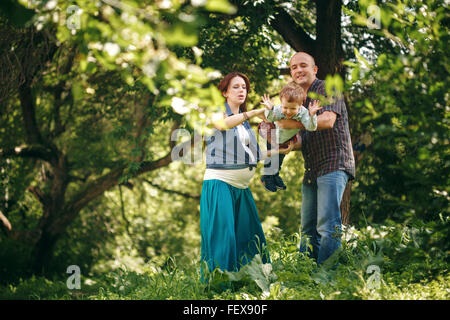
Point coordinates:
[(231, 232)]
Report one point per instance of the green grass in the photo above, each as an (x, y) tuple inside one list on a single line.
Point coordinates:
[(382, 262)]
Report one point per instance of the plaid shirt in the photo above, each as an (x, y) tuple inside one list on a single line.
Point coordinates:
[(325, 151)]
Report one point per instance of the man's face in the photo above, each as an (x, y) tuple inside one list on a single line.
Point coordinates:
[(303, 69), (289, 109)]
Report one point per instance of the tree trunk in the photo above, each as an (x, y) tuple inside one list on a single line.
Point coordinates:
[(329, 56), (345, 204), (328, 51), (42, 252)]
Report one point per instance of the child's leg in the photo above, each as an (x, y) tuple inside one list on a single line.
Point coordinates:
[(269, 171), (267, 130), (272, 163), (280, 161), (277, 179)]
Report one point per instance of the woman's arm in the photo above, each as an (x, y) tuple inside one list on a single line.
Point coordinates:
[(232, 121)]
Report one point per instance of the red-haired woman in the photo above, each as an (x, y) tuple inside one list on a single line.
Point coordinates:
[(231, 232)]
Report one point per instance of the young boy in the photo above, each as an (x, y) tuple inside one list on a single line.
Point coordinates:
[(292, 97)]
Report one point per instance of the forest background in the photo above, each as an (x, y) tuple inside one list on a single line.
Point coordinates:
[(95, 96)]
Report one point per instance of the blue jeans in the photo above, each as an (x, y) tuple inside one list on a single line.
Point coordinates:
[(321, 215)]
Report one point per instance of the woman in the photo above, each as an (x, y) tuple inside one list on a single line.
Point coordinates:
[(231, 231)]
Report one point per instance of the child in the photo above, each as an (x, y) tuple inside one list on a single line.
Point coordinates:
[(291, 96)]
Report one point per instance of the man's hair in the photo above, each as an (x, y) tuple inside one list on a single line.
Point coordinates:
[(292, 92)]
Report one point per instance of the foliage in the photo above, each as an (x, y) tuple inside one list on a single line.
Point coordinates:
[(292, 275), (402, 100), (100, 82)]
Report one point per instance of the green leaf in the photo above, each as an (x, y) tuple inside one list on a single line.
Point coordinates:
[(334, 86), (257, 271), (77, 91), (361, 59), (220, 6), (179, 35)]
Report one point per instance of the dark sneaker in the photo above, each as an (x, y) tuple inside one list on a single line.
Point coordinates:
[(279, 182), (269, 183)]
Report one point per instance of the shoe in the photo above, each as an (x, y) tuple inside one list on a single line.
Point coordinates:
[(269, 183), (279, 182)]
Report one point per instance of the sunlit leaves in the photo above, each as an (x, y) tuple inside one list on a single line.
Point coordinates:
[(220, 6), (135, 38)]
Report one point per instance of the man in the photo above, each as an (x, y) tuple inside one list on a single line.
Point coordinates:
[(329, 163)]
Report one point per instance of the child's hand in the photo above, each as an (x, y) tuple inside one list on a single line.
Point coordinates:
[(267, 102), (314, 106)]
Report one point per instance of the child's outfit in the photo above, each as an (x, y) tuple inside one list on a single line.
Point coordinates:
[(272, 165)]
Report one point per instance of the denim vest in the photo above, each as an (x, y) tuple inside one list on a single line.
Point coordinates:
[(224, 149)]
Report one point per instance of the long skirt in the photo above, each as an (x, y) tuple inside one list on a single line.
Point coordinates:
[(231, 232)]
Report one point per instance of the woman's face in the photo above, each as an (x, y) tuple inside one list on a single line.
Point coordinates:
[(236, 92)]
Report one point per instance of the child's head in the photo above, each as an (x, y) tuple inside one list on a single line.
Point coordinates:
[(291, 97)]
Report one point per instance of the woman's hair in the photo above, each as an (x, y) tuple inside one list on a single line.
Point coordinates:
[(225, 82), (292, 92)]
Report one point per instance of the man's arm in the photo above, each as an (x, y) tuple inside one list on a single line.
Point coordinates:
[(325, 121), (290, 124)]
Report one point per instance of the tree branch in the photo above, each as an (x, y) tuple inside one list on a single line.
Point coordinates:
[(24, 151), (5, 221), (294, 35), (100, 185), (97, 188), (28, 237), (147, 166), (37, 192), (186, 195)]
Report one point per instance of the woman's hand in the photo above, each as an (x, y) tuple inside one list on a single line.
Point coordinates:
[(257, 112), (267, 102)]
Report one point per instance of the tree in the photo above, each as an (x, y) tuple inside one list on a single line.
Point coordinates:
[(89, 98)]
